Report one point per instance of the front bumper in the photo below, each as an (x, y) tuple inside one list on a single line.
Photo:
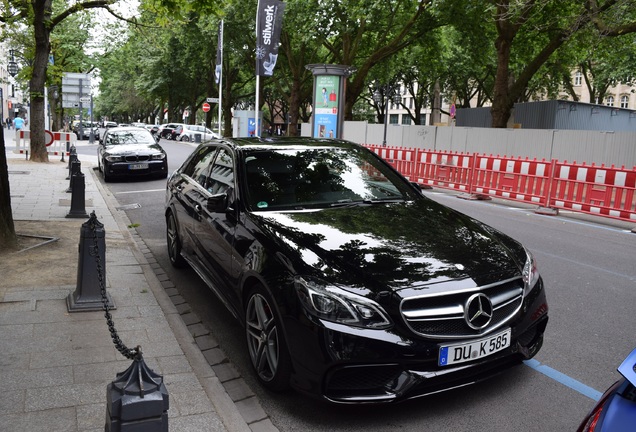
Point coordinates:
[(126, 169), (354, 366)]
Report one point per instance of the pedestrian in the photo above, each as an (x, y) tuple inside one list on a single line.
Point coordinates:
[(8, 123), (18, 123)]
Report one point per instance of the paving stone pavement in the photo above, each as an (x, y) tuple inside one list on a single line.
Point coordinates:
[(55, 365)]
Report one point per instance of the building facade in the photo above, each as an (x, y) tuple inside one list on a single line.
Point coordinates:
[(11, 97), (622, 96)]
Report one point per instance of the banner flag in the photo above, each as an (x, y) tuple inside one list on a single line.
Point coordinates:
[(219, 54), (269, 19)]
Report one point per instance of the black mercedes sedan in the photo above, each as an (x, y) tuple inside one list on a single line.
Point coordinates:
[(130, 152), (351, 285)]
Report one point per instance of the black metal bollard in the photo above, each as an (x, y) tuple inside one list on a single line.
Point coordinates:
[(78, 197), (88, 296), (137, 401), (72, 155), (76, 167)]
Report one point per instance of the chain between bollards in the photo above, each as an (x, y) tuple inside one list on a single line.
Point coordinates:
[(129, 353)]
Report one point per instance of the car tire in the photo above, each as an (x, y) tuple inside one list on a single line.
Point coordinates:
[(266, 342), (185, 138), (174, 242)]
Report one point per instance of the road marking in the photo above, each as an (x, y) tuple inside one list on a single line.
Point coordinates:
[(564, 379), (140, 191), (530, 212)]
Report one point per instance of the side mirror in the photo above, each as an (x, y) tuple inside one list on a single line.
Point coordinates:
[(217, 203)]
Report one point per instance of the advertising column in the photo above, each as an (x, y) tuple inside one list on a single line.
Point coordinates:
[(328, 100)]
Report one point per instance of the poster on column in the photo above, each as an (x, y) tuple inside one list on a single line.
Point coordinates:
[(326, 102), (252, 126)]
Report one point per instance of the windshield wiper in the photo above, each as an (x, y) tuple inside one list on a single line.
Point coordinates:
[(383, 200), (351, 203), (346, 203)]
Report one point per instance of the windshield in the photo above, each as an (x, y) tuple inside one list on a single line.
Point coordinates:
[(139, 136), (320, 177)]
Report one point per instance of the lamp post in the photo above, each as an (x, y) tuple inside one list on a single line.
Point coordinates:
[(13, 69), (391, 93), (12, 66)]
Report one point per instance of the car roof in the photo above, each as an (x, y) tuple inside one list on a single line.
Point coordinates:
[(282, 142), (126, 128)]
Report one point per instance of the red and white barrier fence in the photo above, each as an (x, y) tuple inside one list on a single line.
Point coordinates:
[(597, 190), (55, 141)]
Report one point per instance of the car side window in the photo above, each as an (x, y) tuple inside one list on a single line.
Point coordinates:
[(221, 176), (197, 167)]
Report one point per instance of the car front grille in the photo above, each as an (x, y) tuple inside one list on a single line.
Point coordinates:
[(443, 316), (137, 158)]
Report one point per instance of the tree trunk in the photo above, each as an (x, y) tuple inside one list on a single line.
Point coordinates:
[(41, 19), (502, 105), (8, 239), (294, 106)]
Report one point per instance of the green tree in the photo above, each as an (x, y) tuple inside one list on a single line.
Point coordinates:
[(362, 34), (529, 32), (39, 18)]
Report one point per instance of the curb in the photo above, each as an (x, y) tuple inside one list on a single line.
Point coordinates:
[(224, 406)]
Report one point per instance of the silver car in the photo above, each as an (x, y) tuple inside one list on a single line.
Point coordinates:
[(189, 133)]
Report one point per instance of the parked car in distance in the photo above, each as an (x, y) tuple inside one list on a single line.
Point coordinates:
[(130, 151), (351, 285), (188, 133), (105, 125), (616, 409), (165, 131), (84, 132), (152, 128)]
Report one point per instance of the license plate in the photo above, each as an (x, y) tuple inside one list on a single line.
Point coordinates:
[(138, 166), (463, 352)]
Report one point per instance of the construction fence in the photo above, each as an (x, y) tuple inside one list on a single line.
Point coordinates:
[(602, 190), (57, 143)]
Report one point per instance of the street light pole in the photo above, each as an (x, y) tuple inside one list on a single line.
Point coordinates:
[(386, 114), (390, 93)]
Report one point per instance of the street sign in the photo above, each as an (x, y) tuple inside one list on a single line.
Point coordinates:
[(70, 100), (205, 107), (77, 76), (212, 100), (71, 83)]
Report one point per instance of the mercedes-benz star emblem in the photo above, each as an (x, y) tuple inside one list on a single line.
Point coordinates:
[(478, 311)]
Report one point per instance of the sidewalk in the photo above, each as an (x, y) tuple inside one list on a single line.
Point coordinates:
[(54, 365)]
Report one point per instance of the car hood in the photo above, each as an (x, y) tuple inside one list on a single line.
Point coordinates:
[(393, 246), (133, 149)]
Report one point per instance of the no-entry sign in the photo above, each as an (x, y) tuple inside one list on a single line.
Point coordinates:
[(205, 107)]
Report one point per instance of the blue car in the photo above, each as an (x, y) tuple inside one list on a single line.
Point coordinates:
[(616, 410)]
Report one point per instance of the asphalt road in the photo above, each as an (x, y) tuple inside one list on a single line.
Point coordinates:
[(588, 265)]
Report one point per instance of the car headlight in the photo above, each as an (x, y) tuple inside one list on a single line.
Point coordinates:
[(530, 273), (334, 304), (159, 156), (112, 158)]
